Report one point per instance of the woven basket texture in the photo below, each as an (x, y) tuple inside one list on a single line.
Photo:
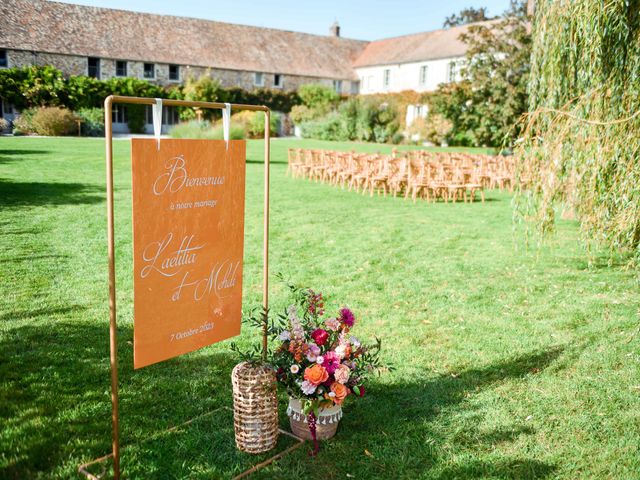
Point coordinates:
[(255, 407)]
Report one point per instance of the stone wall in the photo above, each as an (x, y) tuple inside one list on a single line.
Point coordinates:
[(76, 65)]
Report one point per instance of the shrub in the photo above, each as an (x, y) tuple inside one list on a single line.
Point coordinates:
[(195, 129), (302, 113), (54, 121), (329, 127), (256, 125), (84, 92), (435, 128), (278, 100), (397, 138), (23, 124), (318, 97), (192, 129), (201, 89), (236, 132), (92, 121), (4, 125), (358, 118), (32, 86)]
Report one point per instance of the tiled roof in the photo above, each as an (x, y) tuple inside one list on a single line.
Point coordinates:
[(415, 48), (99, 32), (45, 26)]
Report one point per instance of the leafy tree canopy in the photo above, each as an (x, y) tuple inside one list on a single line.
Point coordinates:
[(466, 15), (486, 105)]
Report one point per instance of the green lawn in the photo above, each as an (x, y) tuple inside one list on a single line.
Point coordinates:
[(509, 364)]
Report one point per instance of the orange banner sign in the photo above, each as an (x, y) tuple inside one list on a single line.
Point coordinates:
[(188, 238)]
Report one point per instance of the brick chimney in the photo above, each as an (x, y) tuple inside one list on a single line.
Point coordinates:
[(335, 29)]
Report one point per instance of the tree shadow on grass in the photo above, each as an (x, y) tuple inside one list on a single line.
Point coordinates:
[(56, 411), (16, 194), (272, 161), (13, 155), (404, 428), (513, 469), (56, 414), (40, 312)]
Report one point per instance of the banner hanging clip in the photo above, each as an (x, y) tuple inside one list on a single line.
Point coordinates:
[(226, 123), (157, 120)]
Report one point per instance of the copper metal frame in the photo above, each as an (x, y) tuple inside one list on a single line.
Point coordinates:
[(113, 336), (83, 469)]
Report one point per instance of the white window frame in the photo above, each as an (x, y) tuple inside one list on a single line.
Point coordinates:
[(119, 114), (258, 79), (386, 78), (452, 72), (423, 75), (126, 68), (337, 86)]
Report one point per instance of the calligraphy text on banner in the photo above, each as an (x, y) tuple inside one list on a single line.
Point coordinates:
[(188, 236)]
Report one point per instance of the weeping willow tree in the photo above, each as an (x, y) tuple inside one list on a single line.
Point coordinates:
[(580, 151)]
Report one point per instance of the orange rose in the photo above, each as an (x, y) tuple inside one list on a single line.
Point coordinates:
[(316, 374), (341, 392)]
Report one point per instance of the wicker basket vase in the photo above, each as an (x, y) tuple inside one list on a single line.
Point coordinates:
[(255, 407), (326, 426)]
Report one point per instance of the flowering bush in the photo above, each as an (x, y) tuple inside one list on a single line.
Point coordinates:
[(318, 360)]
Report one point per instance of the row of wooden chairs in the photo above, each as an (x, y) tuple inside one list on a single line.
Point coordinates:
[(417, 173)]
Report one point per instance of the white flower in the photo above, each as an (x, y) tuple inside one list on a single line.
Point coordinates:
[(285, 335), (320, 360), (355, 342), (307, 387), (341, 350), (294, 369), (332, 394)]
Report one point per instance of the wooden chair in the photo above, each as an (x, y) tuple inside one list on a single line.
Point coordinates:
[(318, 165), (398, 175), (294, 162), (360, 174), (473, 185), (379, 176)]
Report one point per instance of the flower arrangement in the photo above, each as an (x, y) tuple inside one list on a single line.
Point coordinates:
[(318, 359)]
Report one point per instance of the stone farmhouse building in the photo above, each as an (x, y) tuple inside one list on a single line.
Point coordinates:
[(105, 43)]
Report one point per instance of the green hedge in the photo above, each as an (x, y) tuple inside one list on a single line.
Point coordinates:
[(35, 86)]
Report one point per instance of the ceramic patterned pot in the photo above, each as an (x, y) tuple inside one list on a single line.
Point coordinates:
[(326, 425)]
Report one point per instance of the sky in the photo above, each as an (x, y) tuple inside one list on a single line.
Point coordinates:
[(360, 19)]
